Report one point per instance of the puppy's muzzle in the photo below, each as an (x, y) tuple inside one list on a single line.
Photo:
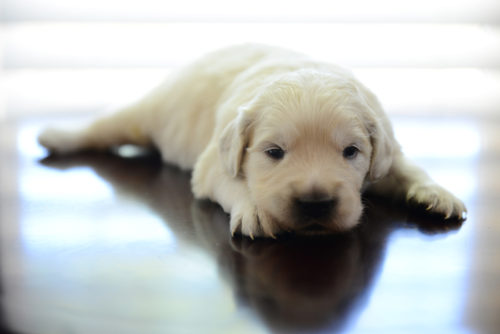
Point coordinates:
[(315, 207)]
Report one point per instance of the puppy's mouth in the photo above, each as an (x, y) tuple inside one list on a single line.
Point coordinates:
[(314, 229)]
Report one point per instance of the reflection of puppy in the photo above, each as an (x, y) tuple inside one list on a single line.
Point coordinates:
[(304, 284), (294, 284), (281, 142)]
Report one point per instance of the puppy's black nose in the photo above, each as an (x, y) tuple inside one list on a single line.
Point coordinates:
[(315, 207)]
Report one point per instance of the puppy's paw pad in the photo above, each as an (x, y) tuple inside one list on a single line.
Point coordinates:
[(436, 200)]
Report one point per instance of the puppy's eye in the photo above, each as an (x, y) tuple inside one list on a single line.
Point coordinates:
[(350, 152), (275, 153)]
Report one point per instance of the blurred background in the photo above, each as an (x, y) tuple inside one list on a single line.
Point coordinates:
[(69, 55)]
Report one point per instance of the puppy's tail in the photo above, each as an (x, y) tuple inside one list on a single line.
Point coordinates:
[(124, 127)]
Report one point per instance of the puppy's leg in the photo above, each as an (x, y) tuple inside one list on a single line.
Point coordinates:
[(211, 181), (408, 181), (125, 127)]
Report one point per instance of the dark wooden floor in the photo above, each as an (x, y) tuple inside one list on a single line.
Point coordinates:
[(97, 243)]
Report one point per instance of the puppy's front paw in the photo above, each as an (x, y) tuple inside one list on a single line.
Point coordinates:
[(246, 219), (436, 200)]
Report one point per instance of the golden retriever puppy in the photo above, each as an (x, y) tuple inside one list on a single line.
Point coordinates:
[(280, 141)]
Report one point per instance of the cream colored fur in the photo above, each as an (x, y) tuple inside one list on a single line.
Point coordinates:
[(222, 117)]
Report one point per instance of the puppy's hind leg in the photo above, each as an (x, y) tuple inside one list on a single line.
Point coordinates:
[(127, 126)]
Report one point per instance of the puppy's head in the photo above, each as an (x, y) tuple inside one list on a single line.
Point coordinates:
[(305, 147)]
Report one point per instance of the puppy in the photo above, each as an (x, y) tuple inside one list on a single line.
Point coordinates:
[(280, 141)]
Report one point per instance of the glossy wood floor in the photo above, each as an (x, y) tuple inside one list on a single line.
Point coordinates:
[(102, 243)]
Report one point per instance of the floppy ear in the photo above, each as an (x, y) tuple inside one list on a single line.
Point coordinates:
[(381, 136), (382, 142), (234, 141)]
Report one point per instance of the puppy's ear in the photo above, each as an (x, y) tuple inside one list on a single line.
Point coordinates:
[(381, 136), (234, 141), (382, 148)]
